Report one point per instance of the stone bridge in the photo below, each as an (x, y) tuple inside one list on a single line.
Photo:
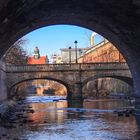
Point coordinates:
[(116, 20), (73, 76)]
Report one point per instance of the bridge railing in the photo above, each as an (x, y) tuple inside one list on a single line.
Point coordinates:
[(67, 67)]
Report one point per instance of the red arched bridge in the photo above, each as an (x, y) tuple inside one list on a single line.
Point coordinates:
[(73, 76)]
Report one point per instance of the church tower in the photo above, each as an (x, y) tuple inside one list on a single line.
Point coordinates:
[(36, 53)]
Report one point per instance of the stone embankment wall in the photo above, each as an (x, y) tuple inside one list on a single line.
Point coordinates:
[(3, 89)]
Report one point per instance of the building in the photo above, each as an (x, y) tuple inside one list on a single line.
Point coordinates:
[(69, 54), (102, 52), (56, 59), (41, 60), (37, 59)]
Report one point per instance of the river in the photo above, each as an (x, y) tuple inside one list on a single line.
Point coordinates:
[(92, 120)]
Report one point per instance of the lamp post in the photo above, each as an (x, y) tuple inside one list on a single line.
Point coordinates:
[(75, 42), (69, 54)]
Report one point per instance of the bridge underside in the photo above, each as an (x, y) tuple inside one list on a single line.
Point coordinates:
[(118, 21)]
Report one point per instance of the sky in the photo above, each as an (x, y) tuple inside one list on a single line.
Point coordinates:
[(50, 39)]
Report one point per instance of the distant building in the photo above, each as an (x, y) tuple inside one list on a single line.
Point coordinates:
[(41, 60), (56, 59), (37, 59), (68, 54), (36, 53), (102, 52), (53, 58)]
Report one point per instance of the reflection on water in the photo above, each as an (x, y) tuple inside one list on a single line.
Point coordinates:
[(60, 121), (47, 110), (106, 104)]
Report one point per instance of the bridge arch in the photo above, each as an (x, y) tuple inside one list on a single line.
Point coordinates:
[(30, 79), (89, 15), (121, 27), (126, 79)]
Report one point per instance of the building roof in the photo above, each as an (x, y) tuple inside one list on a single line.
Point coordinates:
[(41, 60)]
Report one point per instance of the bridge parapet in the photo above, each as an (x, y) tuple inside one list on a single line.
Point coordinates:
[(67, 67)]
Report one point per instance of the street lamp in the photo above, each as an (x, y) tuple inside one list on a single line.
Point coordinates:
[(75, 42), (69, 54)]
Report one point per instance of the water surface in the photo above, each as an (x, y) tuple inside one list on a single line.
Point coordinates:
[(92, 120)]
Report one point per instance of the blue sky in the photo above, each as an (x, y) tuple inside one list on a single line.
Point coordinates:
[(51, 38)]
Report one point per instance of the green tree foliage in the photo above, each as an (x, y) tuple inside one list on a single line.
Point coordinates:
[(16, 55)]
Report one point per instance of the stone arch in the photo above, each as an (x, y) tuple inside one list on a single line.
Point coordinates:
[(126, 79), (30, 79), (123, 78), (121, 27), (45, 13)]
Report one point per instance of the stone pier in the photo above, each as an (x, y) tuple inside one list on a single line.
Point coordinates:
[(77, 92), (3, 88), (137, 106)]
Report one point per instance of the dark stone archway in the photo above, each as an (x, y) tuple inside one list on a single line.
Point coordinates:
[(93, 79), (127, 80), (118, 21), (11, 90), (31, 79)]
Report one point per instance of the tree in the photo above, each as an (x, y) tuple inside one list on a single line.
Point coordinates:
[(16, 54), (49, 91)]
